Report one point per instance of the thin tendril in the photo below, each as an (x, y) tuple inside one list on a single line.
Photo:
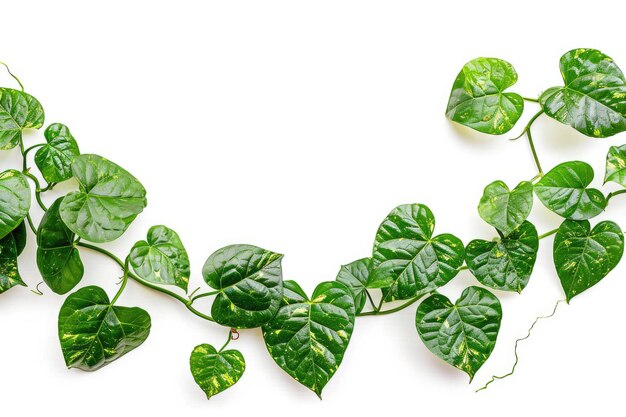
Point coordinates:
[(37, 290), (13, 75)]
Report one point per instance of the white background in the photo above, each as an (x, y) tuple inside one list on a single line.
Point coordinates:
[(297, 126)]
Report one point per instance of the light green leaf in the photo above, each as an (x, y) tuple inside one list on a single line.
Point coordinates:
[(55, 158), (18, 111), (355, 276), (616, 165), (464, 333), (308, 337), (9, 251), (583, 256), (216, 371), (250, 282), (14, 200), (506, 209), (108, 201)]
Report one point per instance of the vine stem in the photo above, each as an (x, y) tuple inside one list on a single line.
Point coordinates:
[(613, 194), (534, 100), (526, 131), (546, 234), (124, 281), (13, 75)]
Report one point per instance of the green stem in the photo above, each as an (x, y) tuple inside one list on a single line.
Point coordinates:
[(13, 75), (550, 233), (410, 302), (534, 100), (230, 337), (38, 190), (193, 298), (534, 151), (31, 224), (124, 281), (371, 300), (613, 194), (25, 153)]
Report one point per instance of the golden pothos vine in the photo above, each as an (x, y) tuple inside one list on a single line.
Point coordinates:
[(306, 335)]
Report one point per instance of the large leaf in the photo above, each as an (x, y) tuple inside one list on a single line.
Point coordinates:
[(108, 201), (464, 333), (18, 111), (14, 200), (478, 99), (58, 259), (506, 209), (593, 100), (308, 337), (19, 234), (9, 251), (55, 158), (408, 259), (355, 276), (250, 282), (616, 165), (94, 333), (216, 371), (583, 256), (505, 264), (161, 259), (564, 191)]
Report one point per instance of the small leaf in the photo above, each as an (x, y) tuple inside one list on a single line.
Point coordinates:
[(407, 258), (15, 198), (616, 165), (18, 111), (58, 259), (503, 209), (593, 100), (308, 338), (108, 201), (9, 273), (462, 334), (250, 282), (355, 276), (162, 259), (507, 264), (94, 333), (54, 159), (216, 371), (583, 256), (564, 191), (478, 99)]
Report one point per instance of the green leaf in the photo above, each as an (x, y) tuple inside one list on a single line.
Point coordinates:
[(55, 158), (504, 209), (355, 276), (15, 199), (564, 191), (216, 371), (19, 234), (593, 100), (18, 111), (616, 165), (583, 256), (9, 251), (250, 282), (462, 334), (308, 338), (505, 264), (58, 259), (108, 201), (478, 99), (408, 259), (161, 259), (94, 333)]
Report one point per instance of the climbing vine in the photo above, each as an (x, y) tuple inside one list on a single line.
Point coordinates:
[(307, 336)]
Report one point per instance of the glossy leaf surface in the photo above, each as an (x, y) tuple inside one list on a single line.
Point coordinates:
[(216, 371), (14, 200), (18, 111), (355, 276), (19, 234), (616, 165), (506, 209), (9, 251), (55, 158)]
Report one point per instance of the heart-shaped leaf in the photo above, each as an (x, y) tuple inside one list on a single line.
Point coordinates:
[(108, 201), (505, 264), (593, 100), (407, 259), (94, 333), (216, 371), (161, 259), (478, 99), (308, 338), (583, 256), (506, 209), (250, 282), (9, 251), (616, 165), (58, 259), (564, 191), (355, 276), (54, 159), (18, 111), (464, 333), (15, 199)]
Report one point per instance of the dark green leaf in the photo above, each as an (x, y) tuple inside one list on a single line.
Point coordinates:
[(505, 264), (19, 234), (355, 276), (504, 209), (250, 282), (616, 165), (462, 334), (58, 259), (9, 273), (15, 199), (161, 259), (478, 99), (593, 100), (108, 201), (407, 259), (94, 333), (564, 191), (216, 371), (308, 338), (583, 256), (18, 111), (54, 159)]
